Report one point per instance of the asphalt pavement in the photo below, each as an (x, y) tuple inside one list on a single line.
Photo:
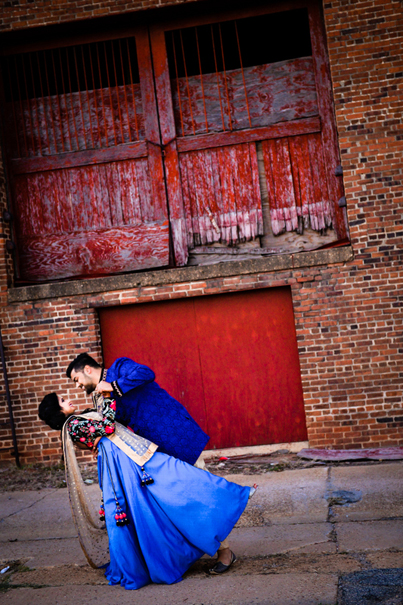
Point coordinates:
[(324, 535)]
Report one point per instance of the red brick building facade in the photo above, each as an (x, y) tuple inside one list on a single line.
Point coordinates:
[(347, 300)]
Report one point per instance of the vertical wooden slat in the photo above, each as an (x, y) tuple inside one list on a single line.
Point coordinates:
[(110, 93), (65, 100), (212, 196), (257, 205), (28, 105), (152, 130), (276, 214), (146, 190), (225, 78), (295, 150), (243, 74), (71, 100), (117, 92), (129, 180), (43, 102), (58, 101), (79, 98), (246, 190), (38, 127), (23, 202), (88, 95), (321, 194), (94, 94), (35, 206), (229, 169), (218, 77), (105, 203), (50, 103), (132, 86), (186, 200), (201, 78), (102, 96), (187, 82), (220, 194), (17, 137), (177, 83), (125, 91)]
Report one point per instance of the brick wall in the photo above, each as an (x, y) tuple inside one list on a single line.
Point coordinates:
[(348, 316), (18, 14)]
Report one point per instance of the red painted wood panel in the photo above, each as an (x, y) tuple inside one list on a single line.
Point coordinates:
[(220, 190), (297, 184), (65, 123), (100, 252), (231, 359), (277, 92), (276, 131), (88, 186), (89, 220)]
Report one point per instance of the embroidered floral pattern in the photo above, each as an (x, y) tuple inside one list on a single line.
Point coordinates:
[(87, 430)]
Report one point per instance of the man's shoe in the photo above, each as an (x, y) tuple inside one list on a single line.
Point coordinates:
[(219, 567)]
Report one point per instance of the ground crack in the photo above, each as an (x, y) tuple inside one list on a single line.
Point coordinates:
[(26, 507)]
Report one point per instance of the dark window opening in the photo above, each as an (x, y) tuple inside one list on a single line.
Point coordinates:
[(70, 69), (232, 44), (73, 98)]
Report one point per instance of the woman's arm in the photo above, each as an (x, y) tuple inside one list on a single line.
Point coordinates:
[(86, 432)]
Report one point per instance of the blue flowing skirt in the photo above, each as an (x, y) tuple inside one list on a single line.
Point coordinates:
[(185, 513)]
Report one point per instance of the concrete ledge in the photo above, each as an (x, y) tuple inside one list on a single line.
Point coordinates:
[(186, 274)]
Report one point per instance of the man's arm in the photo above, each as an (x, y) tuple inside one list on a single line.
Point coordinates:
[(126, 375)]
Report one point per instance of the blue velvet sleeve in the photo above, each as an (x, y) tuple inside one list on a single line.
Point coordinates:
[(125, 375)]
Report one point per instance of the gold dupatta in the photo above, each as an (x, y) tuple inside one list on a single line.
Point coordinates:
[(84, 500)]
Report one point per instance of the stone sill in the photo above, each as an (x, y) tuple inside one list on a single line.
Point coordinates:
[(127, 281)]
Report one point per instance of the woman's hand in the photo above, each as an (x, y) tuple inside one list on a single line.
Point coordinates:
[(95, 447)]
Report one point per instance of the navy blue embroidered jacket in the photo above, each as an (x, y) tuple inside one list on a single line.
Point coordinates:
[(151, 412)]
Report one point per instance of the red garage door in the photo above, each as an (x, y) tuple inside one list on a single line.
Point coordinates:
[(231, 359)]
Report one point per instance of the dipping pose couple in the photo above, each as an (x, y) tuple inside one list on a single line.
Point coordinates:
[(161, 509)]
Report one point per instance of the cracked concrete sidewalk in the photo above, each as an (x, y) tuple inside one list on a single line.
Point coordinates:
[(300, 535)]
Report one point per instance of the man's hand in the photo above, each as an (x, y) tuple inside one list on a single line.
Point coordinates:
[(104, 387)]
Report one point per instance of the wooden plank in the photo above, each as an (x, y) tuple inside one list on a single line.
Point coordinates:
[(277, 131), (145, 198), (320, 181), (168, 134), (241, 178), (295, 157), (79, 158), (326, 111), (151, 125), (276, 213), (277, 92), (92, 253), (287, 184), (187, 201), (257, 211)]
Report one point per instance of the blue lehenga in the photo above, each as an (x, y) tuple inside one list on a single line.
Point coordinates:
[(185, 513)]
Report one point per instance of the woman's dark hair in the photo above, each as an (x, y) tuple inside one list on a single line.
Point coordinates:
[(50, 412), (79, 363)]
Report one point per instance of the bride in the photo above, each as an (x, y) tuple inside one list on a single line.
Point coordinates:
[(161, 514)]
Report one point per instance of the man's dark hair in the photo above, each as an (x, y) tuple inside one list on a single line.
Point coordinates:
[(50, 412), (78, 364)]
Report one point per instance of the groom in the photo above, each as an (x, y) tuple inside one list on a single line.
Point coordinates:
[(147, 409)]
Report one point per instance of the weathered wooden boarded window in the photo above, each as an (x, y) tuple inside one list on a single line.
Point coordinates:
[(205, 132), (87, 169), (232, 86)]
